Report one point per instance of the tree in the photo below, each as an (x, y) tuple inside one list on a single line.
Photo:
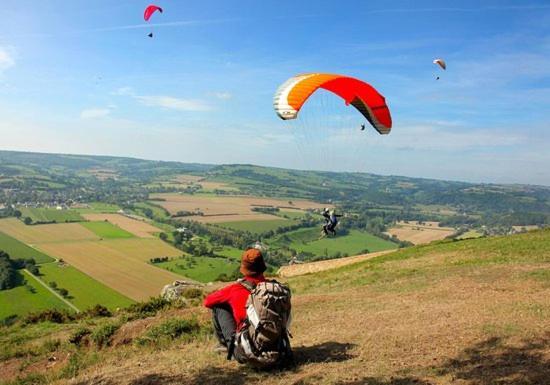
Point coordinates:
[(63, 292), (53, 284), (163, 236), (33, 269)]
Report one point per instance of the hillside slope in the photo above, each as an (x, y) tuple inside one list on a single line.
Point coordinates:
[(466, 312)]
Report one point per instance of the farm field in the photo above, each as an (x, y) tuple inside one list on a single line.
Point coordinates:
[(121, 264), (202, 269), (106, 230), (257, 227), (307, 240), (97, 207), (18, 250), (51, 233), (84, 291), (20, 300), (420, 233), (140, 229), (230, 208), (48, 215)]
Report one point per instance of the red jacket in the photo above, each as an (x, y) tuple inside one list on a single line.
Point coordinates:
[(235, 295)]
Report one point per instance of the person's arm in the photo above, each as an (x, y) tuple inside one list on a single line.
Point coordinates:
[(217, 297)]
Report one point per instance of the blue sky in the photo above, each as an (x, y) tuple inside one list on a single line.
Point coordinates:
[(82, 77)]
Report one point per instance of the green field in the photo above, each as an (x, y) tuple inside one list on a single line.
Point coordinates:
[(20, 300), (230, 252), (84, 291), (203, 269), (294, 214), (98, 207), (48, 215), (307, 240), (158, 212), (18, 250), (107, 230), (470, 234), (257, 227)]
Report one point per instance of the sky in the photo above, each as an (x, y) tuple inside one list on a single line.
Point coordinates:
[(83, 77)]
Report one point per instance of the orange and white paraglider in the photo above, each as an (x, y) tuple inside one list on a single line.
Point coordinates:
[(291, 96), (441, 63), (149, 11)]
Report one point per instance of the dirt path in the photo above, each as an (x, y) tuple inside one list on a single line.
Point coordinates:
[(53, 292), (314, 267)]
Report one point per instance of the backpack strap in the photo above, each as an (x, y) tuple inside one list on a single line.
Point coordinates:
[(250, 286)]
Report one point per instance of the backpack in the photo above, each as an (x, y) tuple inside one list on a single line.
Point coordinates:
[(263, 340)]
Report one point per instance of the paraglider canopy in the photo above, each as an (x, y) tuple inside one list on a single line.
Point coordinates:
[(291, 96), (441, 63), (150, 10)]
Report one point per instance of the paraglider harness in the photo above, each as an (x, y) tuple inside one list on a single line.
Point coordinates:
[(263, 339)]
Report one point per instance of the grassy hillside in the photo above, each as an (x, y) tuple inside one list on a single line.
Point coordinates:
[(472, 312)]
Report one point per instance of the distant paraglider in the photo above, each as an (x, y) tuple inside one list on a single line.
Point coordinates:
[(441, 63), (149, 11)]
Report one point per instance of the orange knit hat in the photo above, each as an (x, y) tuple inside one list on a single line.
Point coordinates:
[(252, 262)]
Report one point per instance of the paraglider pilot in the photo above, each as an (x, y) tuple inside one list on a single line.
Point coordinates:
[(331, 220)]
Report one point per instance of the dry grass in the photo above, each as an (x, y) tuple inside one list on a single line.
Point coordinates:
[(315, 267), (423, 320), (227, 205), (51, 233), (420, 234), (140, 229), (120, 264)]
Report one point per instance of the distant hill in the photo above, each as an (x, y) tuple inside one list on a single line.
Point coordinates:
[(474, 312)]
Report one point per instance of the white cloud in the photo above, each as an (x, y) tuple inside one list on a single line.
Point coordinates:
[(6, 58), (172, 103), (94, 113), (223, 95), (164, 101)]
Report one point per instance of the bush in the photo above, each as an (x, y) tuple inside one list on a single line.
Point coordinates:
[(192, 292), (170, 330), (79, 336), (50, 315), (96, 311), (102, 335), (149, 308)]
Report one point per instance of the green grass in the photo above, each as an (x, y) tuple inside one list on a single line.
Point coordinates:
[(99, 207), (257, 227), (20, 300), (48, 215), (293, 214), (18, 250), (470, 234), (307, 240), (84, 291), (477, 258), (203, 269), (107, 230), (230, 252)]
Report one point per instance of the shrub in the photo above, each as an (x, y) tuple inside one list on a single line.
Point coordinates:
[(170, 330), (96, 311), (149, 308), (102, 335), (79, 336), (50, 315), (192, 292)]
